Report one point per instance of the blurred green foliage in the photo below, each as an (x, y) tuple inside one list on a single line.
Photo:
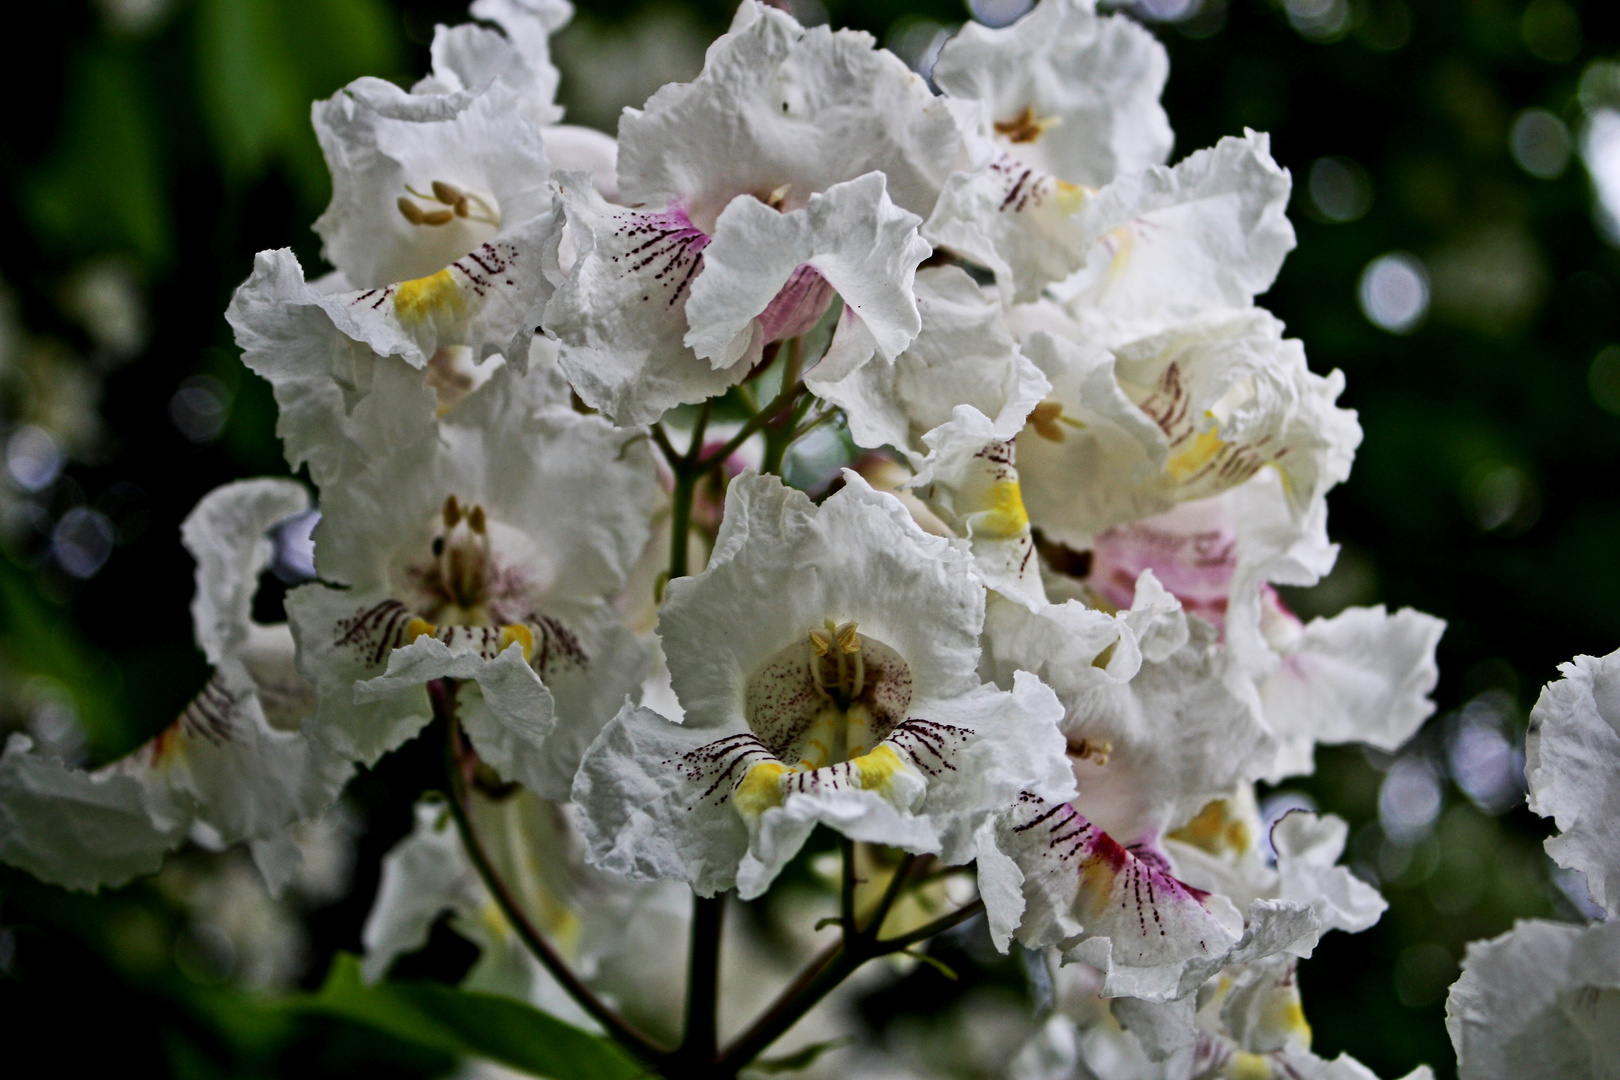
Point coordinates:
[(176, 142)]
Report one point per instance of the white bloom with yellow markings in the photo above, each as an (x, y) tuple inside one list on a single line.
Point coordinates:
[(485, 551), (1187, 414), (826, 661), (798, 165), (1170, 244), (1055, 105), (509, 43), (233, 767)]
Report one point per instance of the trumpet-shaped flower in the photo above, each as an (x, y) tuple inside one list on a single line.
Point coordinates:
[(826, 661), (1055, 105), (797, 165), (485, 551), (233, 767), (1570, 754), (1184, 415), (1168, 245), (514, 51)]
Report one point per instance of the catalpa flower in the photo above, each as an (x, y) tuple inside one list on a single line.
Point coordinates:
[(1185, 415), (826, 661), (1364, 675), (1171, 244), (233, 767), (1570, 754), (797, 165), (1055, 106), (485, 551)]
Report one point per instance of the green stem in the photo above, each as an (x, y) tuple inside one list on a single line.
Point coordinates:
[(442, 693), (902, 872), (938, 926), (847, 900), (680, 521)]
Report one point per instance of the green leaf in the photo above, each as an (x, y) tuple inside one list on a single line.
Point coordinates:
[(468, 1024)]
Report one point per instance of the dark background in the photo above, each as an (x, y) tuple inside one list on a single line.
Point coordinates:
[(161, 156)]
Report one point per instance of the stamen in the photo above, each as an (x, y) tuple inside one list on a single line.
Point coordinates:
[(777, 197), (1044, 419), (452, 512), (448, 194), (475, 520)]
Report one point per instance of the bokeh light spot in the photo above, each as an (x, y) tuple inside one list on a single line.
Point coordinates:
[(1551, 31), (1540, 143), (1339, 188), (1409, 799), (33, 457), (998, 13), (82, 541), (1394, 292), (1319, 20), (199, 408)]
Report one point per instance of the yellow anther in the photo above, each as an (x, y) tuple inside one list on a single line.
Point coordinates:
[(452, 512), (777, 197), (411, 212), (418, 627), (415, 301), (448, 194), (1026, 127), (475, 520), (761, 789), (519, 633), (820, 642), (1097, 752), (848, 640), (1044, 419)]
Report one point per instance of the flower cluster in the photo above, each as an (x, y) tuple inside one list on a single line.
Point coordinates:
[(1029, 643)]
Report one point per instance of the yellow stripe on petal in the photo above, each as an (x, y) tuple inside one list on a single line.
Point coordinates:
[(1246, 1066), (419, 627), (419, 300), (877, 770), (1003, 516), (1070, 197), (761, 789), (1205, 445), (520, 634)]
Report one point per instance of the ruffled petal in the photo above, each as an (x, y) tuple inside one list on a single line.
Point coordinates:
[(1570, 754)]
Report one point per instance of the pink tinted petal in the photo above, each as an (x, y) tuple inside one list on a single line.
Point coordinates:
[(1196, 567), (798, 307)]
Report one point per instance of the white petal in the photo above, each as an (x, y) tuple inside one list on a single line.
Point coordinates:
[(1307, 848), (865, 246), (1168, 244), (226, 534), (621, 312), (381, 142), (572, 148), (423, 876), (778, 105), (638, 814), (470, 55), (1570, 755), (1113, 907), (1541, 1001), (1362, 676), (75, 829), (1098, 79), (964, 354)]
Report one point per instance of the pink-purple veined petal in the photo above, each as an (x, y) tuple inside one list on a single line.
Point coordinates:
[(798, 306), (1083, 886), (1196, 566)]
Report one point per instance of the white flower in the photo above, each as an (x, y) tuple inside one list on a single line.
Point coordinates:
[(798, 164), (233, 767), (826, 661), (484, 551), (1153, 729), (1364, 675), (1059, 103), (1184, 415), (423, 185), (1167, 245), (1571, 755), (1540, 1001)]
